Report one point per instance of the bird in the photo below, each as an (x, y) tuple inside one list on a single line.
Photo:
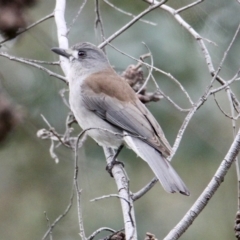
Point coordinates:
[(103, 102)]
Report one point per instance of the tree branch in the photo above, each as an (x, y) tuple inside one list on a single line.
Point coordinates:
[(61, 32), (127, 13), (59, 218), (121, 180), (13, 58), (124, 28), (207, 194), (29, 27)]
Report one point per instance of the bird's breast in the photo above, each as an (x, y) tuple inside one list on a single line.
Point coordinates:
[(101, 131)]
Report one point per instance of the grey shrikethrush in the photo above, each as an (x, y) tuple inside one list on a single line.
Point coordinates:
[(100, 99)]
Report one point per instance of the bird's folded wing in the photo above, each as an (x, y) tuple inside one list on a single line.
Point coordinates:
[(131, 117)]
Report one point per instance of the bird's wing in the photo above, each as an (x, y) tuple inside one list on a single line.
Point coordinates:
[(128, 114), (124, 110)]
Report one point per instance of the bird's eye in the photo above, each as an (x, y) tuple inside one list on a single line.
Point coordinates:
[(81, 54)]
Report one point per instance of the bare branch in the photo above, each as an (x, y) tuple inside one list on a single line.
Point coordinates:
[(191, 31), (224, 113), (127, 13), (182, 130), (188, 6), (234, 135), (108, 196), (144, 190), (52, 152), (61, 32), (207, 194), (123, 191), (156, 69), (94, 234), (16, 59), (225, 55), (48, 224), (62, 92), (168, 98), (124, 28), (116, 235), (99, 22), (202, 99), (149, 68), (198, 38), (68, 141), (235, 101), (78, 191), (60, 217), (208, 92), (228, 83), (76, 17), (29, 27), (57, 63), (54, 136)]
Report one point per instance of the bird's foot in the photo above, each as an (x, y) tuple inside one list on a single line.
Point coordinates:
[(114, 161), (110, 165)]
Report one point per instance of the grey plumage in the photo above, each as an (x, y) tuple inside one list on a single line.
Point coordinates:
[(102, 99), (165, 173)]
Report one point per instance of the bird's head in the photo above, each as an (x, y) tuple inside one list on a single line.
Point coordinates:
[(84, 56)]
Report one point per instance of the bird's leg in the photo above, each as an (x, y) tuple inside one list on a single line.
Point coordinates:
[(114, 161)]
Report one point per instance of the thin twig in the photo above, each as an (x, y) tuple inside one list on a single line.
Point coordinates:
[(188, 6), (70, 119), (189, 28), (108, 196), (208, 192), (202, 99), (78, 191), (63, 43), (168, 98), (40, 61), (60, 217), (95, 233), (45, 134), (67, 141), (225, 54), (156, 69), (227, 83), (149, 68), (54, 136), (127, 13), (62, 92), (182, 130), (99, 22), (125, 27), (235, 101), (236, 160), (29, 27), (158, 88), (13, 58), (110, 237), (76, 17), (223, 112), (207, 91), (48, 224), (198, 38), (177, 232), (52, 152), (144, 190)]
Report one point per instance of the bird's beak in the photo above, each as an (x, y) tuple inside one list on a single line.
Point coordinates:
[(63, 52)]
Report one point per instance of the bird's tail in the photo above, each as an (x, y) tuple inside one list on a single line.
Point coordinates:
[(161, 167)]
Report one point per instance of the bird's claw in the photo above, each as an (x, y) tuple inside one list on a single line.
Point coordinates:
[(110, 166)]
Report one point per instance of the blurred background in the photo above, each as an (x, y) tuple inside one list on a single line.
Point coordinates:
[(31, 183)]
